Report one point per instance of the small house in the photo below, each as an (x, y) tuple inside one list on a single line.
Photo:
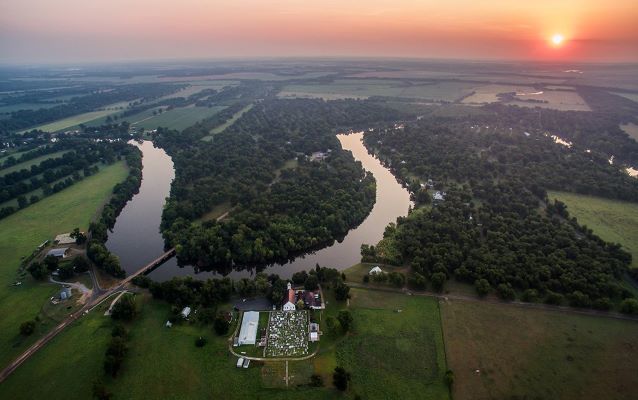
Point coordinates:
[(186, 312), (314, 336)]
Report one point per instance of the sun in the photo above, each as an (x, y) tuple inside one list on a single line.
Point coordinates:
[(557, 39)]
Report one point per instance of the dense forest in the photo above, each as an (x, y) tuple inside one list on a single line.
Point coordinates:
[(283, 203), (494, 226)]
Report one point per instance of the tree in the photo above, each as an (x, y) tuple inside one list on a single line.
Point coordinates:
[(505, 292), (312, 283), (79, 237), (438, 281), (221, 325), (27, 328), (629, 306), (200, 342), (482, 287), (66, 271), (396, 279), (299, 277), (38, 270), (340, 378), (124, 309), (449, 378), (530, 295), (22, 202), (345, 320), (80, 264), (51, 262), (342, 291)]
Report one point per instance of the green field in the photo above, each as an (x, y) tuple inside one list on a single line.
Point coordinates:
[(556, 99), (76, 120), (22, 232), (177, 118), (391, 354), (364, 88), (25, 106), (536, 354), (198, 86), (614, 221), (222, 127), (35, 161)]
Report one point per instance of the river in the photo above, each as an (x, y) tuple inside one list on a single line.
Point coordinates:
[(136, 238)]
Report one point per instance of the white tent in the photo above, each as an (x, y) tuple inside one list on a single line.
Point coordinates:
[(376, 270), (248, 331)]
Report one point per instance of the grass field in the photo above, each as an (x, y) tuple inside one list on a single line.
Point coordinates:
[(556, 99), (535, 354), (22, 232), (630, 96), (614, 221), (394, 355), (222, 127), (198, 86), (364, 88), (25, 106), (35, 161), (76, 120), (177, 118)]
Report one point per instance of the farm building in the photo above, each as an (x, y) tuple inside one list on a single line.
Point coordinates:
[(248, 331), (62, 252), (64, 238)]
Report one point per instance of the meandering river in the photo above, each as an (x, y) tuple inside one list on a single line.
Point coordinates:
[(136, 238)]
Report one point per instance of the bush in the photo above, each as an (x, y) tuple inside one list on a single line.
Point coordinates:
[(530, 295), (80, 264), (438, 281), (221, 325), (200, 342), (27, 328), (345, 320), (396, 279), (506, 292), (124, 309), (66, 271), (340, 378), (38, 270), (449, 378), (316, 380), (629, 306), (142, 281), (554, 298), (482, 287), (342, 291)]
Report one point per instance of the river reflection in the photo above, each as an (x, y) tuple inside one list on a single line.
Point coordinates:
[(136, 238)]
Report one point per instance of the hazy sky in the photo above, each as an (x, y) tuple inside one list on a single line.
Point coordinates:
[(103, 30)]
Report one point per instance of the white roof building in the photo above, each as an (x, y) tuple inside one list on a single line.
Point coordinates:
[(376, 270), (186, 311), (248, 331)]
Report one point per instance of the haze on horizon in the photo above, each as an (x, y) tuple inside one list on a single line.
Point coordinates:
[(42, 31)]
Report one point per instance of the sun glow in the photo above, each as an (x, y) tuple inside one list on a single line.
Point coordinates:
[(557, 39)]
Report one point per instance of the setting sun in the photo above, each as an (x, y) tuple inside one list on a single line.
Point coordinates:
[(557, 39)]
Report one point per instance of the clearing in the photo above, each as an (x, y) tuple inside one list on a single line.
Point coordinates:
[(76, 120), (537, 354), (222, 127), (22, 232), (613, 220)]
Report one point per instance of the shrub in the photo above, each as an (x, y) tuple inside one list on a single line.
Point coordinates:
[(27, 328)]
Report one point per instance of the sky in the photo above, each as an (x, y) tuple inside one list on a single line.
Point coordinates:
[(61, 31)]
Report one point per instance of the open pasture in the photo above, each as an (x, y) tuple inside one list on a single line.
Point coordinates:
[(22, 232), (498, 351), (391, 353), (177, 118), (34, 161), (76, 120), (613, 220), (365, 88), (556, 99)]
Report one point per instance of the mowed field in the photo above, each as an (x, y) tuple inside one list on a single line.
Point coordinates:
[(394, 354), (177, 118), (76, 120), (222, 127), (364, 88), (22, 232), (536, 354), (614, 221)]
